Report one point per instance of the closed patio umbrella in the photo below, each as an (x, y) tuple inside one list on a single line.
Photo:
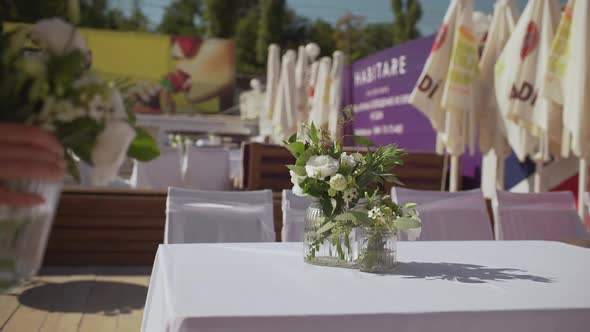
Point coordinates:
[(284, 118), (335, 93), (320, 106), (567, 82), (445, 90), (273, 68), (519, 72)]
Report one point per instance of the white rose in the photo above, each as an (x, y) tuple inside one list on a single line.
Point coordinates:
[(338, 182), (58, 37), (298, 191), (296, 179), (110, 150), (347, 160), (321, 166)]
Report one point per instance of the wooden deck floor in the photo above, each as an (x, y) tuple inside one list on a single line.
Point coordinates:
[(77, 299)]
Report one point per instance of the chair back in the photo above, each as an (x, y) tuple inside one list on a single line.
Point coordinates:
[(207, 168), (160, 173), (448, 216), (536, 216), (264, 167), (198, 216), (294, 209)]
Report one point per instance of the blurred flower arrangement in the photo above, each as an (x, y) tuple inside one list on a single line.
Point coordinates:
[(347, 189), (46, 81)]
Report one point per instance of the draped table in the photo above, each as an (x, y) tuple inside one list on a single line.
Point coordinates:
[(443, 286)]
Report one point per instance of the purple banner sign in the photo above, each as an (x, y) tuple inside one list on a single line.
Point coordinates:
[(380, 86)]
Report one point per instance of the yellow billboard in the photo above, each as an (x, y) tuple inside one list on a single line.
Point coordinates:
[(176, 74)]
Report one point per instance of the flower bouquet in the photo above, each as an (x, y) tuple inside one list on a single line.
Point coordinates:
[(45, 81), (343, 187)]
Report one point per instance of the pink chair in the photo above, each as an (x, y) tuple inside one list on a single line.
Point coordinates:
[(448, 216), (536, 216)]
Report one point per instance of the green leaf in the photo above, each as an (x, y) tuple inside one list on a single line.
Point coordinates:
[(409, 205), (406, 223), (362, 141), (143, 147), (313, 133), (355, 216), (299, 170), (293, 138), (72, 167), (304, 158), (296, 148), (326, 227)]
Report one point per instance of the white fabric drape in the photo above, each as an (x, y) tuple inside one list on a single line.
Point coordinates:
[(285, 117), (294, 208), (320, 103), (335, 93)]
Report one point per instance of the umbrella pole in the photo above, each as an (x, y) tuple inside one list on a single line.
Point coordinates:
[(454, 179), (538, 175), (582, 186)]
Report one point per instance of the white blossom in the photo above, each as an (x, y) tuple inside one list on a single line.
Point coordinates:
[(349, 195), (338, 182), (58, 37), (347, 160), (109, 151), (296, 179), (117, 110), (298, 191), (321, 166)]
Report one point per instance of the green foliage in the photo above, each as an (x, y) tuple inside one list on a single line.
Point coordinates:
[(221, 17), (142, 147), (322, 33), (270, 26), (179, 18), (245, 38), (405, 20)]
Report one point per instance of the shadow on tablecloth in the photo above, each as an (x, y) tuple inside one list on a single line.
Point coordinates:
[(467, 273)]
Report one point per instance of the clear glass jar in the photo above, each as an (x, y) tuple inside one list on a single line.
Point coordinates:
[(24, 231), (378, 250), (327, 249)]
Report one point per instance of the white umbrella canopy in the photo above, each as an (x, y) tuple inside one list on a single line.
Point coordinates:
[(273, 67), (518, 75), (302, 84), (446, 89), (567, 82), (492, 141), (320, 103), (335, 93), (285, 117)]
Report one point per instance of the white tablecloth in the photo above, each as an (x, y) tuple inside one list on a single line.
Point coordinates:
[(438, 286)]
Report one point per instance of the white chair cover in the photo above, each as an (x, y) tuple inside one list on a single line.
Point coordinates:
[(207, 168), (196, 216), (85, 171), (294, 208), (448, 216), (587, 201), (536, 216), (160, 173)]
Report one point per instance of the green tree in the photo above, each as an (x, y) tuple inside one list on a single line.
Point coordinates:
[(94, 14), (270, 27), (349, 38), (220, 17), (180, 18), (30, 11), (378, 36), (246, 37), (405, 20), (322, 33)]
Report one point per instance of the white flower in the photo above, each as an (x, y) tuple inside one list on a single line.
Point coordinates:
[(117, 106), (375, 213), (338, 182), (298, 191), (58, 37), (347, 160), (97, 108), (321, 166), (296, 179), (110, 150), (349, 195)]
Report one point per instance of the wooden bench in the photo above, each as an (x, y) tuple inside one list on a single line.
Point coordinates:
[(96, 226)]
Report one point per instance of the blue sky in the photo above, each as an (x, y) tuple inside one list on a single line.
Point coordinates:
[(331, 10)]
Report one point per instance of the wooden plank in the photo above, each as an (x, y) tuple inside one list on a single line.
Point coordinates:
[(110, 221), (112, 258), (56, 246), (111, 205), (76, 189), (36, 302), (72, 233)]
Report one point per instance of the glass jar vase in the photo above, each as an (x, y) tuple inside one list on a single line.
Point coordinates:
[(378, 250), (327, 249), (24, 231)]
